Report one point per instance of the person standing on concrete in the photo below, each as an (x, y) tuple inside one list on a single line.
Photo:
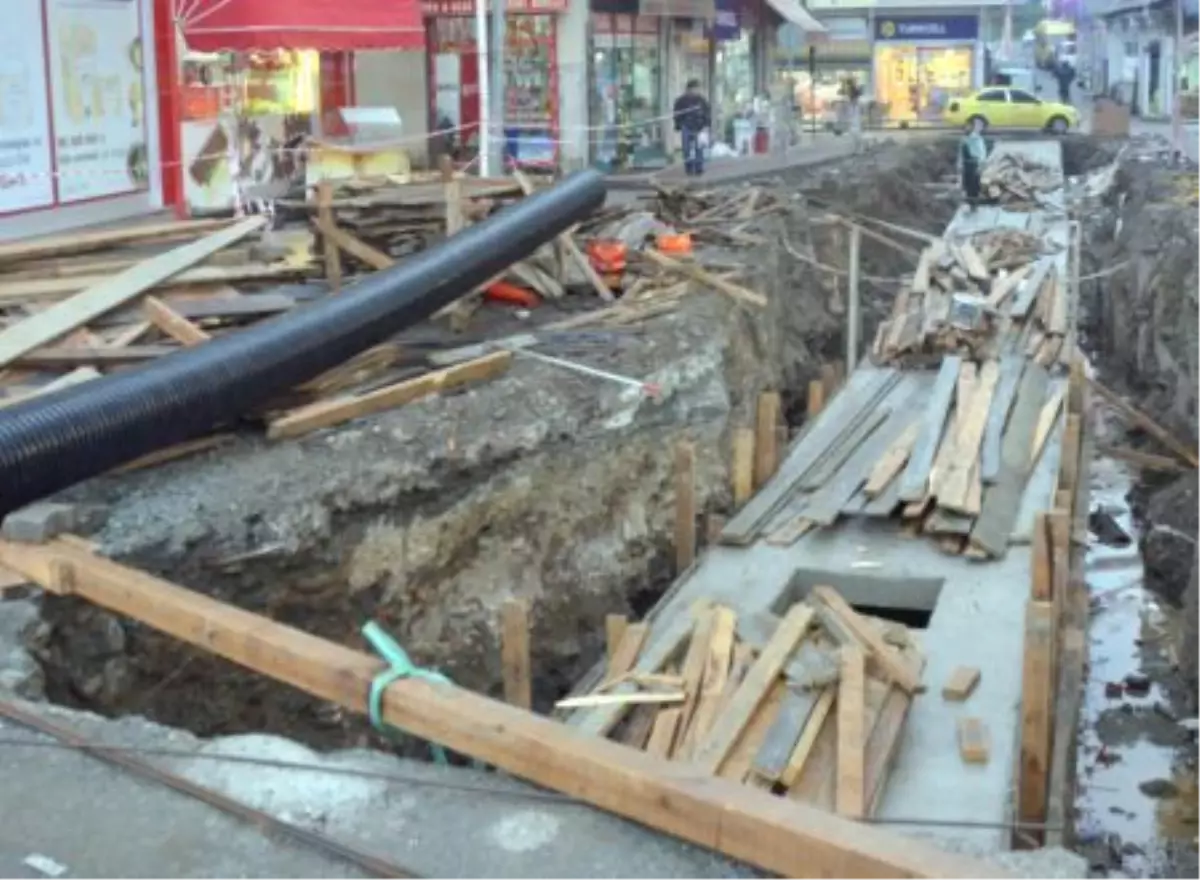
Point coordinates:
[(692, 119), (853, 94), (1065, 74), (972, 153)]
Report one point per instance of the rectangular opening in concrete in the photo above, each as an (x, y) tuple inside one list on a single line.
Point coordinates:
[(907, 600)]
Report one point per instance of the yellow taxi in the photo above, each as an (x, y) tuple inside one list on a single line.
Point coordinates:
[(1002, 107)]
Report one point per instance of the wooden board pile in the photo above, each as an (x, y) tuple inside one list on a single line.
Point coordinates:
[(810, 706), (1017, 182), (947, 455), (724, 216), (978, 297)]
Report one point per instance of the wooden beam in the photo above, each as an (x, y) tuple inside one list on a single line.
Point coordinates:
[(715, 747), (1041, 589), (845, 624), (172, 323), (614, 630), (333, 255), (514, 653), (326, 413), (626, 654), (973, 741), (721, 634), (914, 481), (61, 318), (662, 734), (353, 245), (742, 468), (781, 837), (766, 449), (698, 273), (851, 734), (685, 505), (85, 242), (808, 738), (961, 684), (1037, 715), (816, 397)]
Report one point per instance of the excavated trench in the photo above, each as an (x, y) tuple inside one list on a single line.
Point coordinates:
[(541, 485)]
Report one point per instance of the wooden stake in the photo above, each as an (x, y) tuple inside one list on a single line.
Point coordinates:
[(172, 323), (1037, 715), (766, 450), (792, 839), (742, 469), (816, 397), (333, 256), (1042, 589), (853, 310), (514, 653), (614, 631), (685, 505)]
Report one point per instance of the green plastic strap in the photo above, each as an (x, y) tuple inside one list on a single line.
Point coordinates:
[(399, 666)]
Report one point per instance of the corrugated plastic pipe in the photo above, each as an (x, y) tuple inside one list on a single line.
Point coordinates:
[(62, 438)]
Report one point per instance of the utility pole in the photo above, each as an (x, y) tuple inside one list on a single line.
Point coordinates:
[(481, 50), (499, 8), (1177, 79), (853, 312)]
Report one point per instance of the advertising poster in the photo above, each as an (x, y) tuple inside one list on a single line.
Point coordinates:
[(26, 180), (98, 97)]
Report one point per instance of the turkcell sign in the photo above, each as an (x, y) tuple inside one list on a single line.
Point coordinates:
[(946, 27)]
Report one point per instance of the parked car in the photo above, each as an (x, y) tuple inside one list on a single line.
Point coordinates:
[(1012, 108)]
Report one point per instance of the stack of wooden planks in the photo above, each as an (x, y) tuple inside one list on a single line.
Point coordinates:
[(1017, 182), (979, 297), (810, 706), (947, 454)]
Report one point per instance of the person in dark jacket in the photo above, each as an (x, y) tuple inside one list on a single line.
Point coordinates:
[(1065, 74), (692, 118)]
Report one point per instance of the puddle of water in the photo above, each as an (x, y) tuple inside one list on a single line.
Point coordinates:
[(1130, 741)]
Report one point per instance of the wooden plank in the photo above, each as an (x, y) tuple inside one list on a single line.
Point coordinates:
[(615, 626), (326, 413), (1146, 460), (920, 282), (1028, 292), (333, 256), (695, 662), (842, 414), (780, 742), (1002, 287), (715, 747), (1037, 714), (791, 531), (716, 677), (952, 486), (736, 768), (34, 291), (851, 734), (846, 625), (1056, 318), (685, 505), (81, 242), (1002, 400), (514, 653), (1068, 463), (735, 292), (961, 684), (61, 318), (892, 461), (662, 734), (626, 654), (973, 742), (1001, 501), (172, 323), (766, 450), (971, 261), (824, 470), (342, 240), (914, 481), (742, 468), (1045, 424), (808, 738), (816, 398), (1041, 562)]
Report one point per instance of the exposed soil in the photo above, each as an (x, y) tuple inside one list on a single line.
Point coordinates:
[(540, 485)]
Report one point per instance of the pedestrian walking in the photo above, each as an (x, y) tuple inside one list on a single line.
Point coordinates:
[(692, 120), (1065, 74)]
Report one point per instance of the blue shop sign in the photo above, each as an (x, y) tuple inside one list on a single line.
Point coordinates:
[(946, 27), (726, 27)]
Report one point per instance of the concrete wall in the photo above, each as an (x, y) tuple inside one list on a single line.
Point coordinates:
[(397, 79)]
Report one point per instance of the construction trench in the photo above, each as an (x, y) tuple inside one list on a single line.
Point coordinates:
[(558, 493)]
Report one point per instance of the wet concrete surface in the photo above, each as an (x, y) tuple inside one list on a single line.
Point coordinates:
[(1136, 802)]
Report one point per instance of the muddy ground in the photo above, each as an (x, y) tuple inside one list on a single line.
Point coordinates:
[(1138, 813), (542, 485)]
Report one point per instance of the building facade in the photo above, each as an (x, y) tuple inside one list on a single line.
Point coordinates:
[(1137, 57)]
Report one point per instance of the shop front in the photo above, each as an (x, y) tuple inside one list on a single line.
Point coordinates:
[(76, 129), (249, 81), (922, 62), (627, 97), (531, 91), (816, 67)]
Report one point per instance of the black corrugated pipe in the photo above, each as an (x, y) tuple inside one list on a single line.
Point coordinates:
[(62, 438)]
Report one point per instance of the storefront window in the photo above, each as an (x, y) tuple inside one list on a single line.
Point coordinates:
[(626, 100), (915, 83), (255, 84)]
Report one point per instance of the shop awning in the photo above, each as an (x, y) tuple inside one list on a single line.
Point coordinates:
[(791, 10), (333, 25)]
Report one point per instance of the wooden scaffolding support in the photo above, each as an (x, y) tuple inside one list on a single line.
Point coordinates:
[(776, 835)]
